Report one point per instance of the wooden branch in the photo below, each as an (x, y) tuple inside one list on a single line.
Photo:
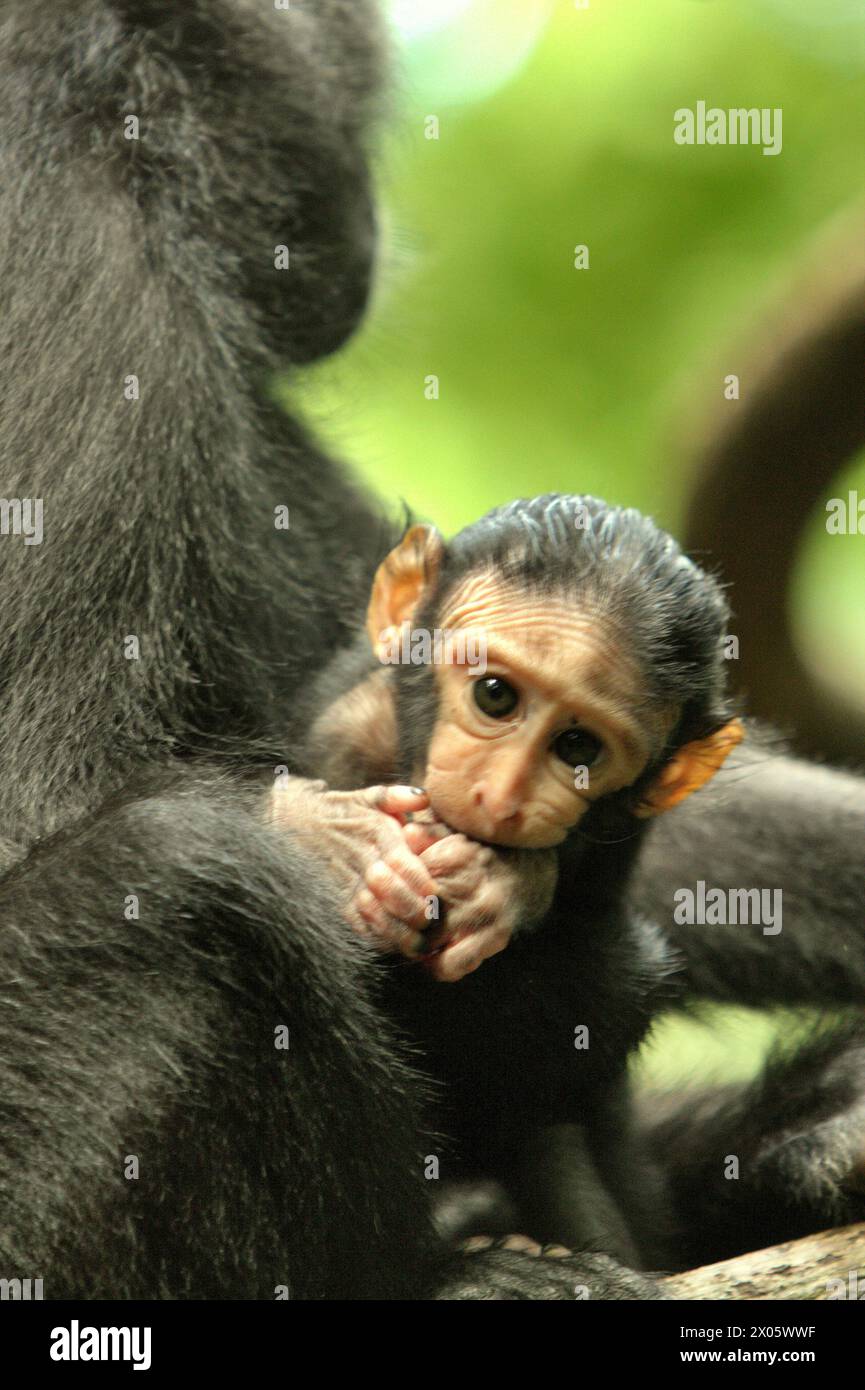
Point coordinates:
[(798, 1269)]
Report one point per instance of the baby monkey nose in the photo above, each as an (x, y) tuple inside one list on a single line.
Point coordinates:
[(500, 806)]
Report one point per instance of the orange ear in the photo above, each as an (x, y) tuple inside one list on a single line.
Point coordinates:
[(400, 582), (690, 769)]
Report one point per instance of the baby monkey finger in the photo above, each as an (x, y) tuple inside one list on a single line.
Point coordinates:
[(396, 894), (386, 930)]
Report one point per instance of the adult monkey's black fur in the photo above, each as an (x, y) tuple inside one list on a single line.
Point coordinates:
[(155, 1037)]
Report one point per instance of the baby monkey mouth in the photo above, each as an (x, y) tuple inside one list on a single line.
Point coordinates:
[(431, 816)]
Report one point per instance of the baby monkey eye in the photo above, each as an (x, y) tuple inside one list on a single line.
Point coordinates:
[(495, 697), (578, 748)]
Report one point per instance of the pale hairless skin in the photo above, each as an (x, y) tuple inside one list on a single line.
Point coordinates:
[(366, 837)]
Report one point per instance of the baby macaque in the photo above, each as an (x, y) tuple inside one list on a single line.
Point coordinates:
[(524, 699), (549, 680), (551, 677)]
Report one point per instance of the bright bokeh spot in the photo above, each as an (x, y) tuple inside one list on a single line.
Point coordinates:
[(414, 17), (461, 50)]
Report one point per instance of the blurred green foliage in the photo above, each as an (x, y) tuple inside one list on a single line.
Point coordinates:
[(553, 377), (584, 380)]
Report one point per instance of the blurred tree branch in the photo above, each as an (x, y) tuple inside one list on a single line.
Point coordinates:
[(765, 460), (798, 1269)]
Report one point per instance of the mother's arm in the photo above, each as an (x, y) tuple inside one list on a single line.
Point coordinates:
[(771, 822)]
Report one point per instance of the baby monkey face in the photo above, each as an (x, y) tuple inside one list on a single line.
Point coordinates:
[(556, 718)]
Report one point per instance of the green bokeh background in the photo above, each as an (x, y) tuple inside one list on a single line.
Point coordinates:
[(556, 129)]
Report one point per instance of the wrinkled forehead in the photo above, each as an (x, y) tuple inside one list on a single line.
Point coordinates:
[(563, 646)]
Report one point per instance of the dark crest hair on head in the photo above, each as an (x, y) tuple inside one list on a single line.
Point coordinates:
[(670, 615)]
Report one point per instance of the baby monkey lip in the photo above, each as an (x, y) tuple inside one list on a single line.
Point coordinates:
[(517, 839), (472, 834), (460, 830)]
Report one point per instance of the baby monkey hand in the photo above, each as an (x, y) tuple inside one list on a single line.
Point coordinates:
[(489, 892), (360, 836), (399, 897), (483, 894)]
